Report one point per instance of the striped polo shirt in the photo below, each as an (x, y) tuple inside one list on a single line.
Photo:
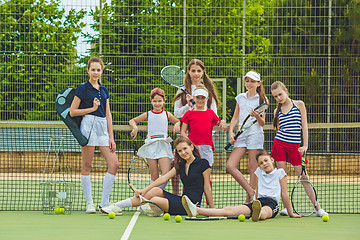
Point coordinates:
[(290, 126)]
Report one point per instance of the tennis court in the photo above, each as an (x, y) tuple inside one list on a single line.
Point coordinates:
[(34, 225), (308, 45)]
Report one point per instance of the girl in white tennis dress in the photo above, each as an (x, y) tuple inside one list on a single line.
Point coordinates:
[(157, 149)]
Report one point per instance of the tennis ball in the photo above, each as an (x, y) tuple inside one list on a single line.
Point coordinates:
[(178, 218), (62, 210), (241, 217), (57, 210), (325, 218), (166, 216), (111, 215)]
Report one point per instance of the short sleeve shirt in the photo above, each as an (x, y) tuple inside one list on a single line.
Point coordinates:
[(194, 181), (269, 183), (200, 125), (86, 93), (245, 106)]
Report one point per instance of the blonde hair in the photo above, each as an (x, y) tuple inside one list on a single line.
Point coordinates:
[(274, 86)]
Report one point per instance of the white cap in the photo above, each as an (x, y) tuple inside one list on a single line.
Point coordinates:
[(200, 92), (253, 75)]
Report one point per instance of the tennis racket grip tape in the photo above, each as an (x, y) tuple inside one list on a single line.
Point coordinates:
[(186, 92), (229, 144), (132, 187)]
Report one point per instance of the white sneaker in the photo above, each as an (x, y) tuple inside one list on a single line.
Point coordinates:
[(112, 207), (256, 207), (90, 208), (284, 212), (321, 213), (189, 206)]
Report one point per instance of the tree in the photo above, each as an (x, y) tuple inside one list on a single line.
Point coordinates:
[(38, 56), (141, 37)]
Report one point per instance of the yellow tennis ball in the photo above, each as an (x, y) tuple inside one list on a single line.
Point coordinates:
[(178, 218), (166, 216), (111, 215), (325, 218), (62, 210), (57, 210), (241, 217)]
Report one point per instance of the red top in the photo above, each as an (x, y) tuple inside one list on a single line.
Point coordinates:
[(200, 125)]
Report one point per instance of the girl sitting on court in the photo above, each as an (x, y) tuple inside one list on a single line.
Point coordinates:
[(157, 149), (289, 121), (194, 174), (271, 184)]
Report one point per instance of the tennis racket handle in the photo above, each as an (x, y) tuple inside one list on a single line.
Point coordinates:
[(132, 187), (186, 92), (229, 144)]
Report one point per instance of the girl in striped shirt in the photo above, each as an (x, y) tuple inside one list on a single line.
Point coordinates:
[(289, 121)]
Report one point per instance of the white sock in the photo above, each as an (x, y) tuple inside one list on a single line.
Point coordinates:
[(86, 186), (124, 203), (107, 186)]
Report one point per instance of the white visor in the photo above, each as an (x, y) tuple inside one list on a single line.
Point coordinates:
[(253, 75), (200, 92)]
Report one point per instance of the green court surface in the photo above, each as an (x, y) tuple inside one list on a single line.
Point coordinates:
[(35, 225)]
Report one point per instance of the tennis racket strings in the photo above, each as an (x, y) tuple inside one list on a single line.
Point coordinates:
[(174, 75)]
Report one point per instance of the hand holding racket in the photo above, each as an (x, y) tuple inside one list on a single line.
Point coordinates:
[(174, 76), (246, 125), (147, 207), (303, 194)]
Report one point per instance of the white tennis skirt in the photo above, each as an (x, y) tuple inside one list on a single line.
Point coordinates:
[(95, 129), (156, 148)]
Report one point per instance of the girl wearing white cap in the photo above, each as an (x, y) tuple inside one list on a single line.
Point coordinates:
[(199, 124), (252, 140)]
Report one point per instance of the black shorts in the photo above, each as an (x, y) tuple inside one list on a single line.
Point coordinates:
[(266, 202)]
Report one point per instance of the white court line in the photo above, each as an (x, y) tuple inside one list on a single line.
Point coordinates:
[(131, 225)]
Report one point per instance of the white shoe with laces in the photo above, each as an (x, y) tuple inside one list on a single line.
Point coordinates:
[(90, 208), (111, 207), (189, 206), (284, 212), (321, 213)]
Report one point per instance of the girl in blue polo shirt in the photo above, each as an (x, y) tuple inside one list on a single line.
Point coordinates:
[(92, 101)]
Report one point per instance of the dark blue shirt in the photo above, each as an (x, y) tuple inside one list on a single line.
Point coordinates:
[(86, 92), (194, 181)]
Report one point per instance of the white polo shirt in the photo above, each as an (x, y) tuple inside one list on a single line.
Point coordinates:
[(245, 106), (269, 183)]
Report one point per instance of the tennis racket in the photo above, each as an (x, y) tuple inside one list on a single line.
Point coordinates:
[(213, 218), (246, 125), (301, 192), (147, 207), (174, 76), (138, 172)]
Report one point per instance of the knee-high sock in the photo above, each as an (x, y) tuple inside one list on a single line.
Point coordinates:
[(107, 186), (86, 186), (124, 203)]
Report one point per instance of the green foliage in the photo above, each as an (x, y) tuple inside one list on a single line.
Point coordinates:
[(38, 56)]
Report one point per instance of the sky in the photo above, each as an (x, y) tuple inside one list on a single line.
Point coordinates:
[(82, 47)]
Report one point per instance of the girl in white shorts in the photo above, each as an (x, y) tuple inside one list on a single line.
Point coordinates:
[(252, 140)]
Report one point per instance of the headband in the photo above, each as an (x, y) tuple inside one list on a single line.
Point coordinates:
[(158, 92)]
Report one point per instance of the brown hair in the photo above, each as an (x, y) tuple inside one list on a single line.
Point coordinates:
[(260, 153), (97, 60), (207, 83), (157, 91), (274, 86), (177, 158)]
